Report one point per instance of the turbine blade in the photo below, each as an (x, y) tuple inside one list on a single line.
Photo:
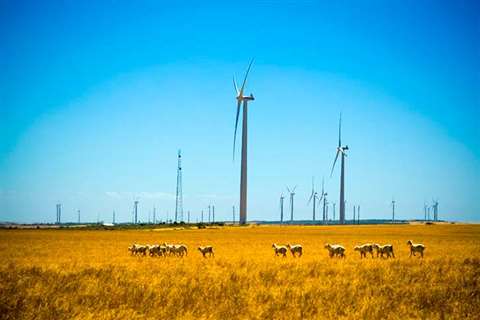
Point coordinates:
[(335, 161), (309, 200), (245, 79), (236, 125), (235, 85), (294, 188), (340, 131)]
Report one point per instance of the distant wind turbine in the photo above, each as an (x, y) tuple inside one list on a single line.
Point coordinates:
[(292, 194), (314, 197), (323, 197), (243, 173)]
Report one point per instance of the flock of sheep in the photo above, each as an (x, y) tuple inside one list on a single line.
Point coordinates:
[(334, 250), (163, 250), (381, 250)]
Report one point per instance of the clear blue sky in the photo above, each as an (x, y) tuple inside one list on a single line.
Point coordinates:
[(95, 100)]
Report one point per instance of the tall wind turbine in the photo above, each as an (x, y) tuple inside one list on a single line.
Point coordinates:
[(243, 173), (314, 197), (292, 193), (341, 149)]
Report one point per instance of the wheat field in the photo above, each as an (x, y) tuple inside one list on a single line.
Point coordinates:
[(89, 274)]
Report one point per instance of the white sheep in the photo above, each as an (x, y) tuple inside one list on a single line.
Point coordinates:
[(385, 249), (169, 248), (295, 249), (155, 250), (179, 250), (416, 247), (139, 249), (335, 250), (205, 250), (364, 249), (279, 250)]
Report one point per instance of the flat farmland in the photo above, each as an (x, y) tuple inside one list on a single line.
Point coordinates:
[(89, 274)]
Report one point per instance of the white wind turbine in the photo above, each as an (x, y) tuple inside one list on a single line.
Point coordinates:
[(243, 172), (341, 150)]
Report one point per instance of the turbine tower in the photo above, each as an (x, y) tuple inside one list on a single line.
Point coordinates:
[(59, 213), (281, 207), (334, 211), (135, 211), (425, 210), (292, 193), (393, 210), (243, 173), (78, 212), (179, 196), (314, 197), (233, 214), (341, 149), (358, 214)]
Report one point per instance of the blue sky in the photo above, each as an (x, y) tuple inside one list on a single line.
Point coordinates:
[(96, 98)]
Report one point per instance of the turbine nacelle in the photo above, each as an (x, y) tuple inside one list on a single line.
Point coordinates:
[(243, 98)]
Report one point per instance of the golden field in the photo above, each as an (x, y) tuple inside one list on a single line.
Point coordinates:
[(82, 274)]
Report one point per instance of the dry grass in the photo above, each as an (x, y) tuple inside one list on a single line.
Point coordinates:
[(62, 274)]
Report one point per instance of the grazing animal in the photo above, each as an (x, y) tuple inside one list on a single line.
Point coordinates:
[(295, 249), (279, 250), (385, 249), (169, 248), (132, 249), (205, 250), (364, 249), (335, 250), (179, 250), (416, 247), (139, 249), (155, 250)]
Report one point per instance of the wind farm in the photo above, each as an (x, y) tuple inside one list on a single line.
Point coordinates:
[(337, 180)]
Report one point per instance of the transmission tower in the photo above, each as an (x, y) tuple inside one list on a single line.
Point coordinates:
[(179, 196)]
